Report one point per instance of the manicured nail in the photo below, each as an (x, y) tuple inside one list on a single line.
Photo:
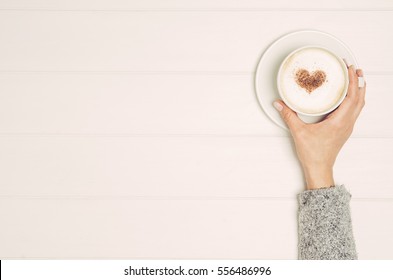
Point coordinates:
[(360, 82), (277, 105)]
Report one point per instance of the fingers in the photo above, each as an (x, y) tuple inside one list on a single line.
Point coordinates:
[(355, 99), (361, 93), (353, 81), (290, 117), (360, 73)]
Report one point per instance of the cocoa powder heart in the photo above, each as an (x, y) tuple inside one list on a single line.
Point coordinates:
[(308, 81)]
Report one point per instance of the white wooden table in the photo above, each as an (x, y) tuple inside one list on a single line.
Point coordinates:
[(131, 129)]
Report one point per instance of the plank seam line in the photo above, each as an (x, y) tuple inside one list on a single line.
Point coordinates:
[(126, 135), (201, 10), (147, 72), (174, 135), (170, 198), (24, 257), (190, 73)]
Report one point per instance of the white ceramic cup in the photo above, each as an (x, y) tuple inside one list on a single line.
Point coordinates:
[(313, 117)]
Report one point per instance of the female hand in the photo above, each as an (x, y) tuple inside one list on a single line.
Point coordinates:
[(317, 145)]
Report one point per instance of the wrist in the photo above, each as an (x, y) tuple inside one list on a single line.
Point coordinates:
[(318, 177)]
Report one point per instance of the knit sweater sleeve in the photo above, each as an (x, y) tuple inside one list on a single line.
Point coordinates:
[(325, 227)]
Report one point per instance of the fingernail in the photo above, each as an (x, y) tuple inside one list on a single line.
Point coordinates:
[(277, 105), (361, 82)]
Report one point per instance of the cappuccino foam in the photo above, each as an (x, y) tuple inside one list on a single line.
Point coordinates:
[(312, 80)]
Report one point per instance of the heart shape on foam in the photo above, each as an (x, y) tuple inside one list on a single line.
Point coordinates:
[(308, 81)]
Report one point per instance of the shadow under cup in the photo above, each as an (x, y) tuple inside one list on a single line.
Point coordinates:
[(300, 70)]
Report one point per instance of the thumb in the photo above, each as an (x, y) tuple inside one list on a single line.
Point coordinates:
[(290, 117)]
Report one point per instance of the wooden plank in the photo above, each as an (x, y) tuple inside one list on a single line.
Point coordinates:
[(126, 103), (76, 103), (146, 229), (166, 229), (192, 5), (373, 228), (375, 118), (175, 41), (180, 166)]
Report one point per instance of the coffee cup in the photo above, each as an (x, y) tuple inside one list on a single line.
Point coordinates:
[(312, 81)]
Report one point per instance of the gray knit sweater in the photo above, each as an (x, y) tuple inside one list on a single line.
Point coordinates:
[(325, 227)]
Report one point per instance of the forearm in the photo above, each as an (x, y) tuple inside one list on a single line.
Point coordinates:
[(325, 227)]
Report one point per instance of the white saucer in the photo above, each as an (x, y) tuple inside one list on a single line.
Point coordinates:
[(265, 76)]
